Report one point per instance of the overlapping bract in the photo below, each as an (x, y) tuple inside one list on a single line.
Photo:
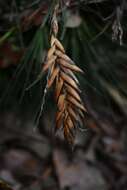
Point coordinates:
[(70, 109)]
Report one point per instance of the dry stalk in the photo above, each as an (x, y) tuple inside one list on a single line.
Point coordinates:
[(61, 69)]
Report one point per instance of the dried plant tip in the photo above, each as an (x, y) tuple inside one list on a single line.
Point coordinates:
[(70, 123), (63, 56), (68, 135), (53, 39), (51, 52), (52, 78), (75, 103), (71, 74), (48, 63), (61, 102), (67, 65), (70, 109), (54, 26), (73, 93), (59, 115), (59, 45), (59, 85), (69, 80), (72, 113)]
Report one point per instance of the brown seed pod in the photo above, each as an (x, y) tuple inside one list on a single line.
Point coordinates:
[(70, 109)]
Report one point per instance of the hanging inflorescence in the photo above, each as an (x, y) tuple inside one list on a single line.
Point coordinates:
[(61, 69)]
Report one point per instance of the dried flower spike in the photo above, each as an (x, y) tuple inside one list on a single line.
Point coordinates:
[(61, 69)]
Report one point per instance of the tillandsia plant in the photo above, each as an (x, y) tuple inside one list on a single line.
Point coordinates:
[(61, 69)]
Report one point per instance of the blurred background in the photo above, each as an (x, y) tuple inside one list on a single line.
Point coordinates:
[(93, 33)]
